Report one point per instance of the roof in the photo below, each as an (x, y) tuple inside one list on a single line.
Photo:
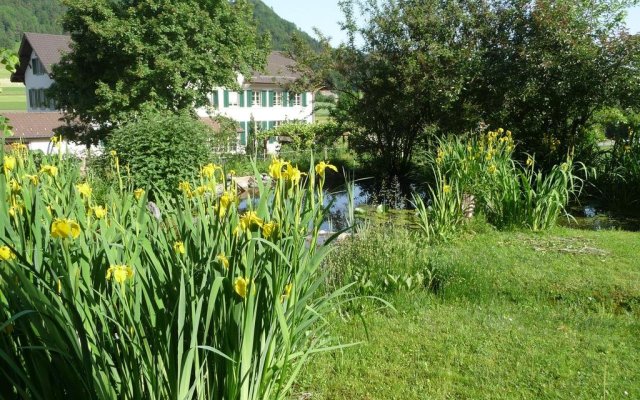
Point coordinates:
[(278, 70), (33, 125), (49, 49)]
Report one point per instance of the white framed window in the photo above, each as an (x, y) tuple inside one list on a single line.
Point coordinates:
[(233, 99), (277, 99), (256, 98), (297, 100)]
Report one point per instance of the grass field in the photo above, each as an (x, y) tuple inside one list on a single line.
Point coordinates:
[(13, 98), (516, 316)]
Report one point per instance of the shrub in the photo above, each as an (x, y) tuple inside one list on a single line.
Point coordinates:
[(161, 149)]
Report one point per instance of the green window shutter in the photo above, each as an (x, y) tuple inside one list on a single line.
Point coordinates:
[(285, 99), (292, 99), (272, 124), (241, 96), (265, 95), (216, 100), (304, 99), (272, 98), (249, 98), (243, 134), (32, 100), (226, 98)]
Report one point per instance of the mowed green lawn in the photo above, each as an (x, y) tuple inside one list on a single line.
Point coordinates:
[(13, 98), (517, 316)]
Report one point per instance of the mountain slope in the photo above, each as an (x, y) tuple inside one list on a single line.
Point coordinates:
[(280, 29), (44, 16)]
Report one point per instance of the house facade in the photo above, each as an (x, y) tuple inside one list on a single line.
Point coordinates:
[(260, 104)]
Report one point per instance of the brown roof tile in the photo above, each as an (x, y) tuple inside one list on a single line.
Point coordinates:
[(33, 125), (278, 70)]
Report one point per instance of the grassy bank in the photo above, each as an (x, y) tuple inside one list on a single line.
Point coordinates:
[(514, 316)]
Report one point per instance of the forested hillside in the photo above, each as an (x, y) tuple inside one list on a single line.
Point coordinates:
[(17, 16), (280, 29), (44, 16)]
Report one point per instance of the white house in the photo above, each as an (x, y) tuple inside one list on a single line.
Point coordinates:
[(261, 104)]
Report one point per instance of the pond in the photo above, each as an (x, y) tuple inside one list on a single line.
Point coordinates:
[(586, 217)]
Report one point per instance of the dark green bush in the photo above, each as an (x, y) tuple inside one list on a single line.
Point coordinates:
[(161, 149)]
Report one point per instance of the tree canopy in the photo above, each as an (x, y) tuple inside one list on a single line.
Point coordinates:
[(167, 54), (415, 68)]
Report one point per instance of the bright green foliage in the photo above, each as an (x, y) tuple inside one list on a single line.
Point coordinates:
[(160, 149), (184, 298), (128, 55)]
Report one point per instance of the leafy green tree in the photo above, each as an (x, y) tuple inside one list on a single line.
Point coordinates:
[(548, 66), (400, 75), (167, 54)]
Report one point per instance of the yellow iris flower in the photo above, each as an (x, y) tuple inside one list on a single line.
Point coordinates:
[(249, 221), (322, 166), (50, 170), (270, 229), (292, 174), (84, 189), (179, 248), (275, 168), (209, 170), (99, 211), (138, 193), (9, 164), (119, 273), (240, 285), (6, 254), (223, 260), (65, 229)]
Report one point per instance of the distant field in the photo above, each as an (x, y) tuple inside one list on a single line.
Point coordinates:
[(13, 99), (4, 74)]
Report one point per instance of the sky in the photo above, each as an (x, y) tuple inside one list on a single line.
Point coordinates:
[(325, 14)]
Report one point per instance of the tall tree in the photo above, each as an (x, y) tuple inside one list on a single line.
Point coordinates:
[(402, 74), (548, 65), (167, 54)]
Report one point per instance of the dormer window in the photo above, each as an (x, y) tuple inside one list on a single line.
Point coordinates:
[(37, 67)]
